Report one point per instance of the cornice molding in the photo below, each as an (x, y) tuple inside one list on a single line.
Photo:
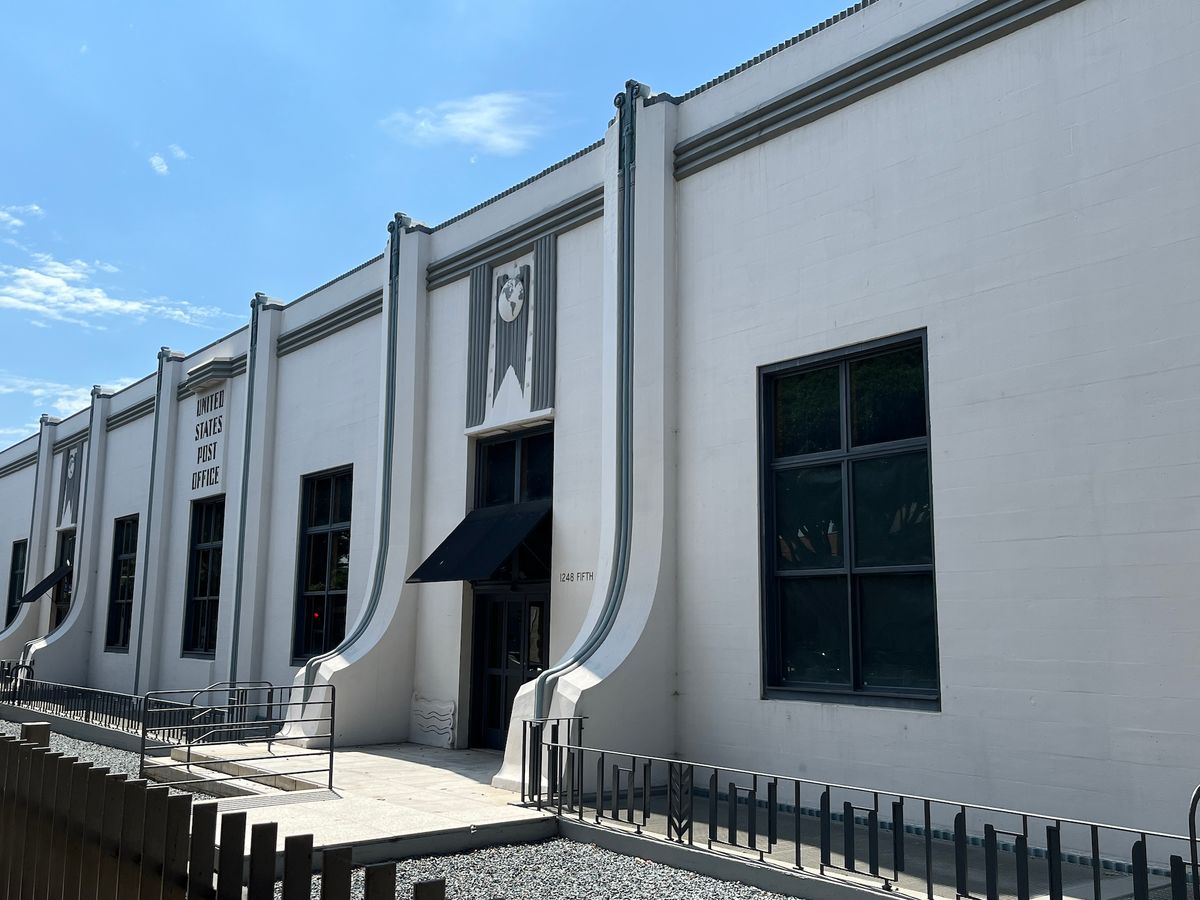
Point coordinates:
[(23, 462), (946, 38), (518, 239), (222, 368), (132, 413), (70, 440), (329, 324)]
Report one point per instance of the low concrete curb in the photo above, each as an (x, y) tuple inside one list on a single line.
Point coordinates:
[(84, 731), (699, 860)]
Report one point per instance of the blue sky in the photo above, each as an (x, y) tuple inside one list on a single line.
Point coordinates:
[(162, 162)]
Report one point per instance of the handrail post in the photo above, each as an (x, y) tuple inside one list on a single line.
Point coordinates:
[(332, 729), (142, 752)]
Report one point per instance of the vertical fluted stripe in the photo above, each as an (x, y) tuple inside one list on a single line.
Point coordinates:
[(545, 312)]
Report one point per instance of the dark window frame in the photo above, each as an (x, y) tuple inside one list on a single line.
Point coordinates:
[(191, 646), (16, 582), (525, 566), (119, 617), (300, 609), (519, 439), (63, 594), (772, 687)]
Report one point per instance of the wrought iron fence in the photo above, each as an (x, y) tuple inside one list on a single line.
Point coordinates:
[(923, 845), (247, 719), (108, 709)]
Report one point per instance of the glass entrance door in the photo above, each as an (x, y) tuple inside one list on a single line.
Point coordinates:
[(511, 633)]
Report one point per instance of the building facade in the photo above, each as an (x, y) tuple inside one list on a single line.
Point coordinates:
[(839, 417)]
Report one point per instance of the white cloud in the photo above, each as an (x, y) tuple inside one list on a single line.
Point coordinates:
[(83, 48), (11, 216), (65, 292), (159, 165), (178, 152), (504, 123), (59, 399)]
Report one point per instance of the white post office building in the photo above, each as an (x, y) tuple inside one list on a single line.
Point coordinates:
[(839, 417)]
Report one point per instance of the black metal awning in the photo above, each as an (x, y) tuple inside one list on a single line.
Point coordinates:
[(481, 542), (48, 583)]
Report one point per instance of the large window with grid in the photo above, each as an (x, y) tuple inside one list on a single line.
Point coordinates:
[(120, 591), (849, 606), (324, 564), (204, 578), (60, 597), (16, 579)]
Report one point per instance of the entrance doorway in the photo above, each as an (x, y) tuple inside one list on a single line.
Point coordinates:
[(510, 637), (502, 548)]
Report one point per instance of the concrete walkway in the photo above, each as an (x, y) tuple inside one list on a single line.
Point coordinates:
[(398, 800)]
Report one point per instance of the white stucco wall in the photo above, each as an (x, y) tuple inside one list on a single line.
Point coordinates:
[(443, 609), (327, 415), (172, 670), (1034, 205), (577, 430), (16, 504), (126, 489)]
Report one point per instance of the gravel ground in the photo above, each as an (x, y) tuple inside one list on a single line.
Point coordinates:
[(556, 870), (97, 754)]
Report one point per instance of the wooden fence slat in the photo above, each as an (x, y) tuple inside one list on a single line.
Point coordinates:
[(175, 850), (381, 882), (44, 835), (335, 873), (232, 856), (434, 889), (200, 852), (8, 780), (110, 838), (263, 838), (92, 834), (297, 867), (33, 824), (16, 819), (73, 838), (58, 832), (36, 733), (133, 824), (154, 843)]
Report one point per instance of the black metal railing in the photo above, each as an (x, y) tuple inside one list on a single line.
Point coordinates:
[(108, 709), (548, 732), (924, 845), (237, 724)]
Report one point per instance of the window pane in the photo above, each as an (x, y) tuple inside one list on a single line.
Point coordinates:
[(320, 500), (807, 413), (899, 634), (343, 490), (814, 631), (335, 627), (499, 461), (887, 397), (316, 560), (808, 517), (494, 652), (891, 511), (537, 467), (515, 615), (535, 656), (339, 577)]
